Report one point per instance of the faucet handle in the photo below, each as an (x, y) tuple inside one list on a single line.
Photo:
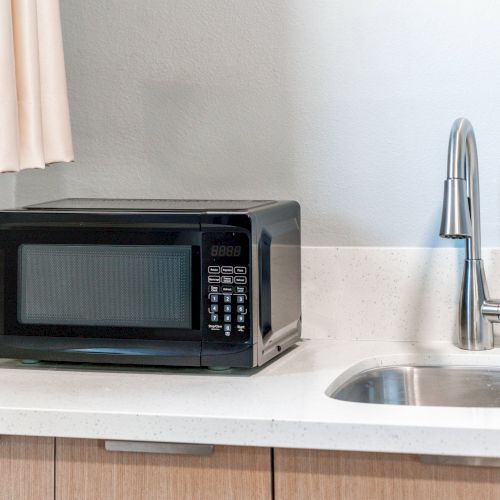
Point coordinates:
[(491, 310)]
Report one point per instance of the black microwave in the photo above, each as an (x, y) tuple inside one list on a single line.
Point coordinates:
[(150, 282)]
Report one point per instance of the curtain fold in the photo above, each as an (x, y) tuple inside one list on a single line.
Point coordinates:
[(34, 114)]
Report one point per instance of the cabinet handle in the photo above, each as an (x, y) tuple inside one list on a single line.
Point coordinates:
[(455, 460), (152, 447)]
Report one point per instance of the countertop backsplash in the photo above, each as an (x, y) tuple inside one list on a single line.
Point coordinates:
[(386, 293)]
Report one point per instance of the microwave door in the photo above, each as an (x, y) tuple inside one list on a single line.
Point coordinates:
[(116, 292)]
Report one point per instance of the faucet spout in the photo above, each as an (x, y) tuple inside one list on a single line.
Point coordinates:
[(461, 198), (460, 219)]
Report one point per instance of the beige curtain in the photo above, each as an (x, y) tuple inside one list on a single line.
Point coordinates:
[(34, 115)]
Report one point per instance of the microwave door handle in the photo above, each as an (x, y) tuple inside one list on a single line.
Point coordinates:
[(265, 283)]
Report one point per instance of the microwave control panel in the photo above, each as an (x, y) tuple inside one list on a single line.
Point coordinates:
[(226, 287)]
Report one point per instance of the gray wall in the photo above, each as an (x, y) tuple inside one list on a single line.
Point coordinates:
[(345, 106), (7, 190)]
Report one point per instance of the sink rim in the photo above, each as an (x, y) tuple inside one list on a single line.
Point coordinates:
[(462, 361)]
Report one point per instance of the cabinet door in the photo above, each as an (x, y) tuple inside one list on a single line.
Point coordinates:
[(322, 475), (86, 470), (26, 468)]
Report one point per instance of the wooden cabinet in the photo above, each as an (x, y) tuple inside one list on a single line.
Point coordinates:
[(26, 468), (330, 475), (86, 471), (33, 468)]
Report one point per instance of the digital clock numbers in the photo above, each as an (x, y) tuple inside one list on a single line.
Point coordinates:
[(225, 251)]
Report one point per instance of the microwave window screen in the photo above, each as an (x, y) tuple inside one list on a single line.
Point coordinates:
[(105, 285)]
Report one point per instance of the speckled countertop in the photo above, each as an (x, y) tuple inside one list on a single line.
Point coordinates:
[(282, 404)]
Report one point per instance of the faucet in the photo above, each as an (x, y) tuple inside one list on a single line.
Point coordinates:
[(460, 219)]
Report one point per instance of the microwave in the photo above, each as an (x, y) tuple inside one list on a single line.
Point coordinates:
[(150, 282)]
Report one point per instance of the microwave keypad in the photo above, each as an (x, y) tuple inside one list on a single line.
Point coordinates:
[(228, 303), (226, 287), (234, 312)]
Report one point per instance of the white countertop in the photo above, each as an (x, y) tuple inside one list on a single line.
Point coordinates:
[(282, 404)]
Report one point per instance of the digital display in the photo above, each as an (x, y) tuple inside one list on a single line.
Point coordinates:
[(225, 251)]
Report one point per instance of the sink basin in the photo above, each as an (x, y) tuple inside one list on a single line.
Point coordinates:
[(464, 386)]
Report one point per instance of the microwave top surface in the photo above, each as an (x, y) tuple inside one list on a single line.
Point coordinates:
[(149, 205)]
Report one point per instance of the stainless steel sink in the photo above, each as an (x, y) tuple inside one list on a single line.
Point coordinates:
[(422, 386)]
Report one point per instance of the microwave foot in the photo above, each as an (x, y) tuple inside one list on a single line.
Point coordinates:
[(30, 361), (218, 368)]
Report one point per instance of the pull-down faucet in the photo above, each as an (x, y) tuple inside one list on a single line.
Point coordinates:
[(460, 219)]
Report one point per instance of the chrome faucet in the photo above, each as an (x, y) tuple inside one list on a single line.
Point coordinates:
[(460, 219)]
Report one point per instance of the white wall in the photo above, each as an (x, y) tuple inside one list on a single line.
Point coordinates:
[(343, 105)]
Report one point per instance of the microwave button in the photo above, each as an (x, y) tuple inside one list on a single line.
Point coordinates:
[(227, 308), (227, 318), (240, 318), (214, 279), (227, 299), (227, 289), (240, 299), (240, 289), (240, 309), (214, 308), (227, 327), (240, 270), (214, 318), (227, 269), (214, 298), (214, 288), (213, 269), (228, 280), (240, 280)]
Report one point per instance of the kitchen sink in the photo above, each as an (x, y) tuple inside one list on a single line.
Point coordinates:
[(466, 386)]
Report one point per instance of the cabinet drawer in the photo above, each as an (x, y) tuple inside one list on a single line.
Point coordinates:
[(26, 468), (326, 475), (86, 470)]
